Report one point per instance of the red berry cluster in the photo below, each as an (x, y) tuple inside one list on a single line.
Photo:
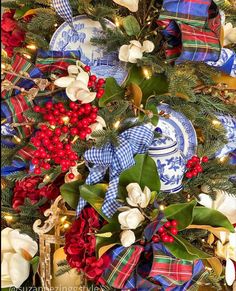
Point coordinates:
[(95, 84), (194, 166), (53, 140), (169, 226)]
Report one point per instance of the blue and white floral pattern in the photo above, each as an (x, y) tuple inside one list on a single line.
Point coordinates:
[(102, 64)]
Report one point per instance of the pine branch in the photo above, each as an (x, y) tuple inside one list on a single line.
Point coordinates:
[(62, 270), (62, 263), (34, 116), (17, 176)]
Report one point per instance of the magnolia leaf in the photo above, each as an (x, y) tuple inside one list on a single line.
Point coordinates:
[(136, 94), (153, 196), (30, 12), (144, 172), (215, 230), (106, 234), (104, 249), (103, 242), (70, 193), (19, 13), (178, 211), (215, 264), (131, 25), (207, 216), (210, 239), (182, 249), (112, 92), (94, 195)]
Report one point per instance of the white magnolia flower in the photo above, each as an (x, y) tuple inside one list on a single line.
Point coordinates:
[(226, 249), (137, 197), (229, 34), (16, 251), (224, 203), (127, 238), (130, 219), (132, 5), (76, 84), (134, 51), (99, 124)]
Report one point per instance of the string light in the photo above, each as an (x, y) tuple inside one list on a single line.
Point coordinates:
[(117, 23), (8, 218), (63, 219), (223, 159), (66, 225), (162, 207), (216, 122), (55, 25), (27, 56), (46, 179), (31, 46), (3, 66), (208, 268), (116, 124), (17, 139), (66, 119), (188, 197), (147, 73)]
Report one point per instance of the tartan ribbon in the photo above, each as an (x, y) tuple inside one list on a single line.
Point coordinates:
[(63, 9), (133, 141), (56, 62), (150, 268), (191, 29)]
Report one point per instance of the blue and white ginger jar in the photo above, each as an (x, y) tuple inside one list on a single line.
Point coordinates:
[(170, 162)]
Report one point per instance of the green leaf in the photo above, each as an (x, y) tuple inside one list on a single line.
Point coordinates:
[(157, 84), (35, 264), (70, 193), (102, 241), (182, 249), (152, 107), (131, 25), (112, 92), (144, 172), (207, 216), (94, 195), (182, 212), (19, 13)]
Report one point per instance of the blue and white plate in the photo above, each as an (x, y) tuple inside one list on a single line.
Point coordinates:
[(180, 129), (102, 64), (229, 123)]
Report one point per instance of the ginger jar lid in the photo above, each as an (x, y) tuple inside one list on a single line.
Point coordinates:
[(163, 142)]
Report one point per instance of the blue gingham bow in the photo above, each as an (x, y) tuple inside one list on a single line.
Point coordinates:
[(133, 141), (64, 10)]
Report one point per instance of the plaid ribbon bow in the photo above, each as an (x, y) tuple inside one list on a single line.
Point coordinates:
[(150, 268), (133, 141), (192, 30), (63, 9)]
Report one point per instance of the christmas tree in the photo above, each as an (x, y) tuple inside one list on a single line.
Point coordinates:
[(118, 144)]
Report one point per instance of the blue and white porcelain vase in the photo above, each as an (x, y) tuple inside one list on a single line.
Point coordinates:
[(170, 163)]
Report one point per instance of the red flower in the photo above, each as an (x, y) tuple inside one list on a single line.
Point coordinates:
[(12, 35), (28, 188), (80, 245)]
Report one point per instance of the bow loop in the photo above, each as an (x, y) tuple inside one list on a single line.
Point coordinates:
[(133, 141)]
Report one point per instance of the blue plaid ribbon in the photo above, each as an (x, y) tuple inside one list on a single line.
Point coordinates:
[(64, 10), (133, 141)]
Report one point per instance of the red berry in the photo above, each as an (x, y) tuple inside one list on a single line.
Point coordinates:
[(64, 168), (46, 166), (156, 238), (90, 84), (189, 175), (74, 131), (93, 116), (61, 153), (50, 147), (82, 135), (43, 127), (101, 82), (72, 163), (64, 129), (37, 109), (171, 239), (205, 159), (57, 131), (72, 105), (56, 112), (49, 105), (35, 161), (71, 176), (199, 168), (174, 231), (37, 171), (55, 139), (87, 107), (174, 222), (88, 130), (62, 110), (161, 229), (93, 78), (60, 105), (37, 143), (165, 238), (195, 159), (167, 224), (59, 145), (87, 68), (194, 173), (73, 120)]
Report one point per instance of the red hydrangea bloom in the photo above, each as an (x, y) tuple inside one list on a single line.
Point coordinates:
[(28, 188), (80, 246), (11, 34)]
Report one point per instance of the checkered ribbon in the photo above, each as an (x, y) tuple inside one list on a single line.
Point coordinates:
[(192, 30), (133, 141), (63, 9), (150, 268)]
